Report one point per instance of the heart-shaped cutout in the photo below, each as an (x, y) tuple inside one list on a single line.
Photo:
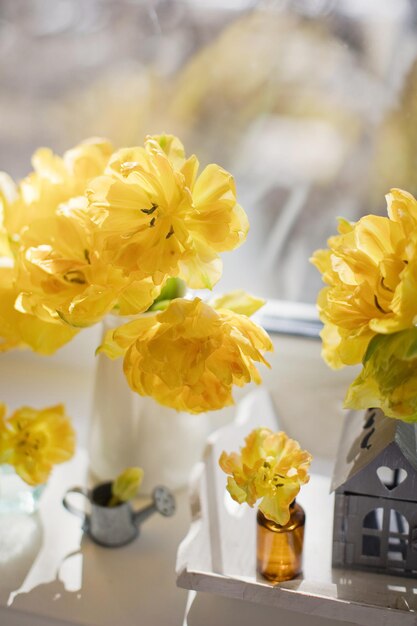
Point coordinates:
[(391, 478)]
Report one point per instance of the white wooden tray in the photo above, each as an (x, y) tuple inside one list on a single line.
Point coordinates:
[(218, 553)]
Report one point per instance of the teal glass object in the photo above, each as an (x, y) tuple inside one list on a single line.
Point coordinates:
[(16, 496)]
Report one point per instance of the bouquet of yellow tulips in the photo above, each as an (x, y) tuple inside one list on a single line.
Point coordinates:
[(369, 306), (99, 231)]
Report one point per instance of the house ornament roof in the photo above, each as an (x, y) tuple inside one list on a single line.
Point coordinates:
[(365, 436)]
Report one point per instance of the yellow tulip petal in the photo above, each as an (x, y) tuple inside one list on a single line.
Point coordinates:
[(278, 509), (239, 302), (118, 340), (202, 269), (171, 146), (22, 330), (219, 220), (127, 484)]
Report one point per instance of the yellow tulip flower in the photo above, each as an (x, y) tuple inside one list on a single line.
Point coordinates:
[(371, 272), (33, 441), (55, 180), (271, 467), (18, 330), (189, 356), (63, 275), (59, 277), (161, 218)]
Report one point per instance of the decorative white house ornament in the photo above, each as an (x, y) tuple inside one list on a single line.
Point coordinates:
[(375, 484)]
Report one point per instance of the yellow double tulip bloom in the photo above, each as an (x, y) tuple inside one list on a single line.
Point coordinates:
[(189, 356), (271, 467), (371, 272), (33, 441)]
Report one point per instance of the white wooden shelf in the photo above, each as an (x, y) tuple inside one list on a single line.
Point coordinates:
[(218, 553)]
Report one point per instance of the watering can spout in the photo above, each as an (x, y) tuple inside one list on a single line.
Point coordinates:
[(163, 502)]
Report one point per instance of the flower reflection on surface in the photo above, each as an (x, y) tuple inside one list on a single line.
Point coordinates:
[(18, 535)]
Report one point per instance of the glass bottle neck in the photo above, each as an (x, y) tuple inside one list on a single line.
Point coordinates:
[(297, 518)]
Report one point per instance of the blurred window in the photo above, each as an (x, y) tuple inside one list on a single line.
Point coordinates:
[(310, 104)]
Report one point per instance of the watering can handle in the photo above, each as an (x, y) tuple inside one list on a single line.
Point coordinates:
[(71, 508)]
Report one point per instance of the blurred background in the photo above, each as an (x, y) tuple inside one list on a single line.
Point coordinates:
[(312, 105)]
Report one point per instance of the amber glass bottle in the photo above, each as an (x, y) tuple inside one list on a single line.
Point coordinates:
[(279, 548)]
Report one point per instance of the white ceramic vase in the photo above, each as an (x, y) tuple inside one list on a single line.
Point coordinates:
[(130, 430)]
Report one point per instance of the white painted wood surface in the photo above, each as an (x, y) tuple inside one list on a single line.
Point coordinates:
[(53, 575), (218, 554)]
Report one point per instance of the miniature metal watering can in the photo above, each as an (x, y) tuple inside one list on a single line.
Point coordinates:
[(118, 525)]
